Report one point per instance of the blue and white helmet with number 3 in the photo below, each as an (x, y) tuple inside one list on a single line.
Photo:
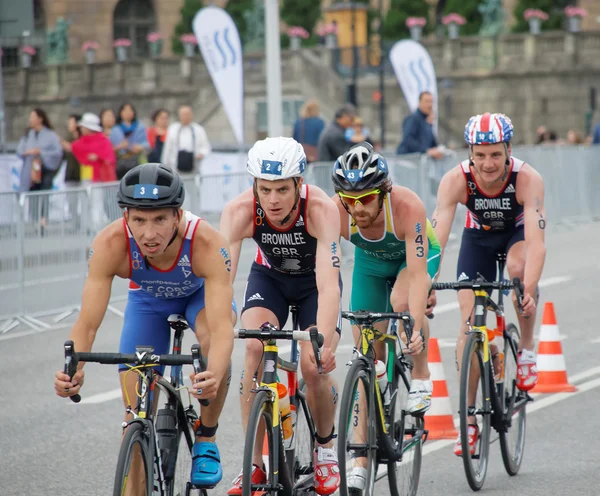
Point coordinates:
[(276, 158)]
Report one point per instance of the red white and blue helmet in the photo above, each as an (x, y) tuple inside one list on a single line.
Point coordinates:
[(489, 129)]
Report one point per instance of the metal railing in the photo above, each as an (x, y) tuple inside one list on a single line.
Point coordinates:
[(45, 236)]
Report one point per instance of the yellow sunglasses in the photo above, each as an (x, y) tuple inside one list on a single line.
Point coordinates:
[(363, 199)]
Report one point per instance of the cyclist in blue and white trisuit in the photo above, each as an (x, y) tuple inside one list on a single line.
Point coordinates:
[(297, 230), (177, 263), (504, 197)]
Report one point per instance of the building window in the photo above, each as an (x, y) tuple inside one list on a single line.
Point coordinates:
[(134, 19)]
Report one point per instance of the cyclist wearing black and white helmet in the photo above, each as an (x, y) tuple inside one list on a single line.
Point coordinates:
[(297, 230), (396, 257), (177, 264)]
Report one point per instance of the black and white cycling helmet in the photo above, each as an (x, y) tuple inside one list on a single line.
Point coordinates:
[(151, 186), (276, 158), (359, 168)]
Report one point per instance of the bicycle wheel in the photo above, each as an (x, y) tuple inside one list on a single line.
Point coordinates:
[(357, 433), (512, 441), (301, 456), (262, 411), (135, 463), (403, 476), (473, 371)]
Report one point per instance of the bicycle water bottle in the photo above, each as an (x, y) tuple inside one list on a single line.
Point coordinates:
[(166, 433), (286, 414), (382, 380)]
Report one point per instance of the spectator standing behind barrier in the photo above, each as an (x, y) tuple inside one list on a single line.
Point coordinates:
[(358, 132), (186, 144), (333, 142), (94, 151), (308, 128), (417, 130), (41, 152), (137, 143), (157, 134), (72, 173)]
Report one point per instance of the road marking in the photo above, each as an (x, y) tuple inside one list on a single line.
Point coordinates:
[(595, 341), (100, 398)]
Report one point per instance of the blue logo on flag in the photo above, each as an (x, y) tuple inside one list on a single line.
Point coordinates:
[(149, 191), (271, 167)]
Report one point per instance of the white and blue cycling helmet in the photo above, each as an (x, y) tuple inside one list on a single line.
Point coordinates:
[(489, 129), (276, 158)]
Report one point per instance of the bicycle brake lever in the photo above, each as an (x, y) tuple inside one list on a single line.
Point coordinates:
[(519, 290), (197, 364), (71, 366), (317, 341)]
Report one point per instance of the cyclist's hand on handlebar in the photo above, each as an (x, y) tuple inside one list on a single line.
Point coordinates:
[(327, 360), (431, 302), (204, 385), (64, 386), (416, 343), (529, 305)]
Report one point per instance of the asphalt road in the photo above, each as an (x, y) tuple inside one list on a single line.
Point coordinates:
[(50, 446)]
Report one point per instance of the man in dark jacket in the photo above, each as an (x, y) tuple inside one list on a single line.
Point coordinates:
[(418, 131), (333, 142)]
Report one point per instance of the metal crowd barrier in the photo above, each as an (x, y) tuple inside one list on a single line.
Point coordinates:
[(45, 236)]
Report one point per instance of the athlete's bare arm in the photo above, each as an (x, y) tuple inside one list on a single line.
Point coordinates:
[(211, 260), (324, 224), (108, 258), (451, 192), (409, 214), (530, 193), (343, 217), (237, 223)]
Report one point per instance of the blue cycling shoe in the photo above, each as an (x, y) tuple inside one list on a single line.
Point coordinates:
[(206, 465)]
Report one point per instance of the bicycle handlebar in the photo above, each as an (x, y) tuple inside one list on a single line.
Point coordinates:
[(479, 284), (72, 359), (268, 331)]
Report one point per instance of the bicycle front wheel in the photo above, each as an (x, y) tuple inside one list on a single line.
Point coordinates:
[(512, 441), (407, 431), (261, 414), (357, 437), (135, 463), (474, 380)]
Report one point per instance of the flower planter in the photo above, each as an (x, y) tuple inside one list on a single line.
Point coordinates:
[(330, 40), (453, 30), (121, 52), (189, 49), (25, 60), (156, 48), (90, 56), (295, 43), (535, 25), (574, 24), (415, 32)]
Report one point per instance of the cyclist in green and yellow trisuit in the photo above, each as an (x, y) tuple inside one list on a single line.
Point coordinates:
[(397, 256)]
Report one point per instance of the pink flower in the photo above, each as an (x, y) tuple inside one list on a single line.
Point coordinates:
[(188, 38), (454, 18), (415, 21), (572, 11), (90, 45), (535, 13), (122, 42), (28, 49), (326, 29), (154, 37), (297, 31)]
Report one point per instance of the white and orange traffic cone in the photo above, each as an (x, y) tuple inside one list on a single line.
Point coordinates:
[(552, 371), (438, 419)]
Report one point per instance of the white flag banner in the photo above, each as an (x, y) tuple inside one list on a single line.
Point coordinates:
[(221, 48), (415, 72)]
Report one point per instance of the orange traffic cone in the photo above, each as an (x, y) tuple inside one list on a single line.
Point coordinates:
[(438, 419), (552, 372)]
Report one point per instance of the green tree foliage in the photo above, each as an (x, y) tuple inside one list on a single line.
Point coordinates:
[(554, 9), (188, 11), (467, 9), (394, 24), (303, 13), (236, 9)]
